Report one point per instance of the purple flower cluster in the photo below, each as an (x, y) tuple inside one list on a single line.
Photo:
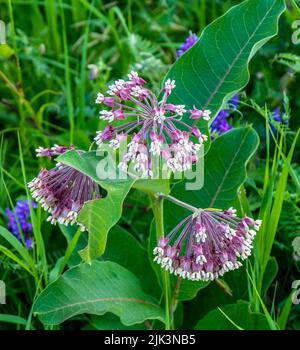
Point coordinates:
[(189, 42), (62, 190), (275, 118), (19, 222), (155, 124), (207, 244)]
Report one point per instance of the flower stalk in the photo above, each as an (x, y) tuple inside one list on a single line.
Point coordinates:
[(157, 206)]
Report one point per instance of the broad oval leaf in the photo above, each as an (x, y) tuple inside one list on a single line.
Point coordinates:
[(124, 249), (97, 289), (98, 215), (111, 322), (217, 66), (224, 172)]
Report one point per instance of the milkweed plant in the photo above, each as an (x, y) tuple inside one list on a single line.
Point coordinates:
[(150, 139)]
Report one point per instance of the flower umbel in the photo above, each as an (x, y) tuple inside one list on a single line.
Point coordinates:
[(19, 220), (207, 244), (154, 124), (62, 190)]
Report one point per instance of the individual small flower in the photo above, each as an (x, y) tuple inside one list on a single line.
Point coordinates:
[(296, 248), (196, 114), (62, 190), (19, 222), (153, 125), (275, 119), (207, 244), (53, 151), (189, 42)]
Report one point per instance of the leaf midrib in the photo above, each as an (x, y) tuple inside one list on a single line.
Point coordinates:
[(235, 59), (228, 169), (134, 300)]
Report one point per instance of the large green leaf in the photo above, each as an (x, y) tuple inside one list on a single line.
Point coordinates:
[(215, 296), (224, 172), (217, 66), (97, 289), (125, 250), (239, 315), (111, 322), (98, 215), (69, 232)]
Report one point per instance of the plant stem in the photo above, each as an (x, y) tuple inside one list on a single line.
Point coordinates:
[(157, 206), (178, 202)]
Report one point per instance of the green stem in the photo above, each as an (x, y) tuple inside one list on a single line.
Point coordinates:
[(157, 206), (178, 202)]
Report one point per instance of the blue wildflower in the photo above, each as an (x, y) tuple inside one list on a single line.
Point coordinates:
[(220, 123), (275, 118), (189, 42), (19, 219)]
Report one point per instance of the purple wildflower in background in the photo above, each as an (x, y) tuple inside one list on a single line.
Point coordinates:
[(276, 115), (276, 118), (154, 123), (220, 123), (207, 244), (62, 190), (189, 42), (19, 220)]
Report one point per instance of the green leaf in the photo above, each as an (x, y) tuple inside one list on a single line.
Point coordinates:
[(98, 215), (269, 275), (188, 289), (217, 66), (69, 232), (22, 251), (153, 186), (111, 322), (96, 289), (5, 52), (285, 312), (237, 316), (224, 173), (125, 250), (12, 319)]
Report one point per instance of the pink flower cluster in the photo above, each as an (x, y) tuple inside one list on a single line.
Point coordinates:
[(207, 244), (151, 125), (62, 190)]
